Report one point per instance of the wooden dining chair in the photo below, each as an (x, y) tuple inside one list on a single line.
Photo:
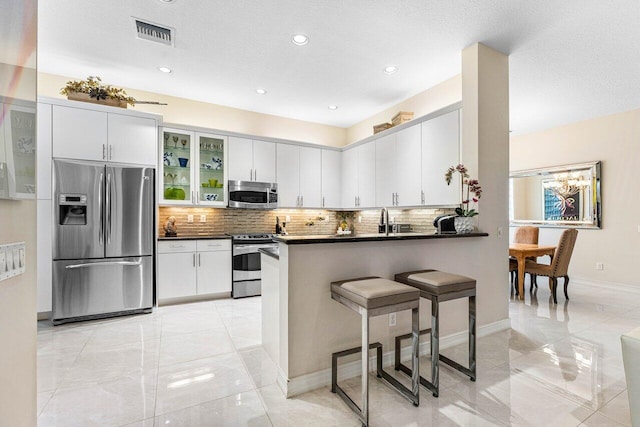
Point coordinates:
[(527, 234), (559, 265), (524, 234)]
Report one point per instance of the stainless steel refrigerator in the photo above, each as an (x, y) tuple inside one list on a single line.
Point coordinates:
[(103, 240)]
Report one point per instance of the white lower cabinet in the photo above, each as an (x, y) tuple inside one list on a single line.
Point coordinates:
[(193, 267)]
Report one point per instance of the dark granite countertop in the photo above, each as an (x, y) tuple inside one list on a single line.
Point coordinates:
[(333, 238), (186, 237), (272, 252)]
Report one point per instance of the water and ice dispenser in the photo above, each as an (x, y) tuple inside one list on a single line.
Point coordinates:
[(73, 209)]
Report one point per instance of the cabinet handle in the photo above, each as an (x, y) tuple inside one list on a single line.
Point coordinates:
[(110, 152), (176, 246), (397, 200), (194, 259), (323, 201), (250, 174), (422, 196), (355, 200), (301, 200), (104, 152), (255, 174), (199, 260), (197, 196)]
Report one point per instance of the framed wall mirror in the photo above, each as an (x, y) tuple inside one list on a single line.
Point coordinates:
[(557, 196)]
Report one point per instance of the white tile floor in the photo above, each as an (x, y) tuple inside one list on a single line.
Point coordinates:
[(201, 364)]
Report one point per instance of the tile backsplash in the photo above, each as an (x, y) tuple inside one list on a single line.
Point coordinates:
[(302, 222)]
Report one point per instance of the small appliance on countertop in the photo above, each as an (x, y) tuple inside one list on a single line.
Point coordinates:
[(444, 224)]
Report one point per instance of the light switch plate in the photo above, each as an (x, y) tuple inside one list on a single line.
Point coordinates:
[(189, 218), (203, 218), (12, 260)]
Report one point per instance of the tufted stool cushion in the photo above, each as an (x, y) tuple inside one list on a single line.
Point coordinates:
[(374, 292), (436, 282)]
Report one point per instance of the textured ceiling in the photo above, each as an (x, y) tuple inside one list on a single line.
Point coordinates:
[(569, 60)]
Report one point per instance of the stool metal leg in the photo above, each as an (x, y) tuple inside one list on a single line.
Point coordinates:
[(365, 367), (415, 347), (435, 346), (436, 357), (472, 337)]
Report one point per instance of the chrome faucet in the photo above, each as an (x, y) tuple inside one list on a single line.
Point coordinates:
[(384, 220)]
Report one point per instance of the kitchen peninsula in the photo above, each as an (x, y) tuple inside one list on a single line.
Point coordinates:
[(302, 325)]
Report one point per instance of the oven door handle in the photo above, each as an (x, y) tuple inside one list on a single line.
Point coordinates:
[(249, 249)]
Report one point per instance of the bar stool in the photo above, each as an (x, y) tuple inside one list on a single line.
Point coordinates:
[(439, 286), (374, 296)]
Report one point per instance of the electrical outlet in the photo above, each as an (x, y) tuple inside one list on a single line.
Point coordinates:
[(203, 218), (599, 266), (287, 218), (189, 218), (359, 218), (392, 319)]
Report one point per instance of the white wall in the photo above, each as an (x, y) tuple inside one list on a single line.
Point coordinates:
[(615, 141), (18, 224)]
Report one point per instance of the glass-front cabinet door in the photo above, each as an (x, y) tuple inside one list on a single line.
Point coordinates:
[(212, 167), (177, 165), (194, 168)]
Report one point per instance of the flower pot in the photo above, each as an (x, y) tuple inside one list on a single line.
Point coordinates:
[(463, 224), (84, 97)]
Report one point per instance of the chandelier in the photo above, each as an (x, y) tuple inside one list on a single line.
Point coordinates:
[(564, 186)]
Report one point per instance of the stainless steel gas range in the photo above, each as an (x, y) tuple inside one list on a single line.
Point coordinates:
[(246, 263)]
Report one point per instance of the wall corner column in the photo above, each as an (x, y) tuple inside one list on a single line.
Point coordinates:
[(485, 151)]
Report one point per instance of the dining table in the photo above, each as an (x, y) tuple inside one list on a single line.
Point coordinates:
[(522, 251)]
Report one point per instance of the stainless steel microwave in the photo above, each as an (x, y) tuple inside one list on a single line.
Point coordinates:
[(253, 195)]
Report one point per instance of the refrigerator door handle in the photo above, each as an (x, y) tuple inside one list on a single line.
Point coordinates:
[(108, 208), (101, 226), (103, 263)]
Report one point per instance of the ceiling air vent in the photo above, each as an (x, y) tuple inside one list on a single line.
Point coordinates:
[(154, 32)]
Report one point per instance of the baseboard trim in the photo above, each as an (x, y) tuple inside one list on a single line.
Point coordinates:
[(627, 287), (314, 380)]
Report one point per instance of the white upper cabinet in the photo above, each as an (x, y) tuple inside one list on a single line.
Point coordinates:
[(252, 160), (331, 179), (366, 155), (440, 149), (359, 176), (350, 178), (240, 159), (132, 139), (79, 133), (408, 167), (398, 168), (288, 174), (299, 176), (386, 170), (87, 134), (264, 161), (310, 177)]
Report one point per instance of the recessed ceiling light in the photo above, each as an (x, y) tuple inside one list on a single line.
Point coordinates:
[(300, 39), (167, 1), (390, 69), (261, 91), (164, 69), (333, 107)]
